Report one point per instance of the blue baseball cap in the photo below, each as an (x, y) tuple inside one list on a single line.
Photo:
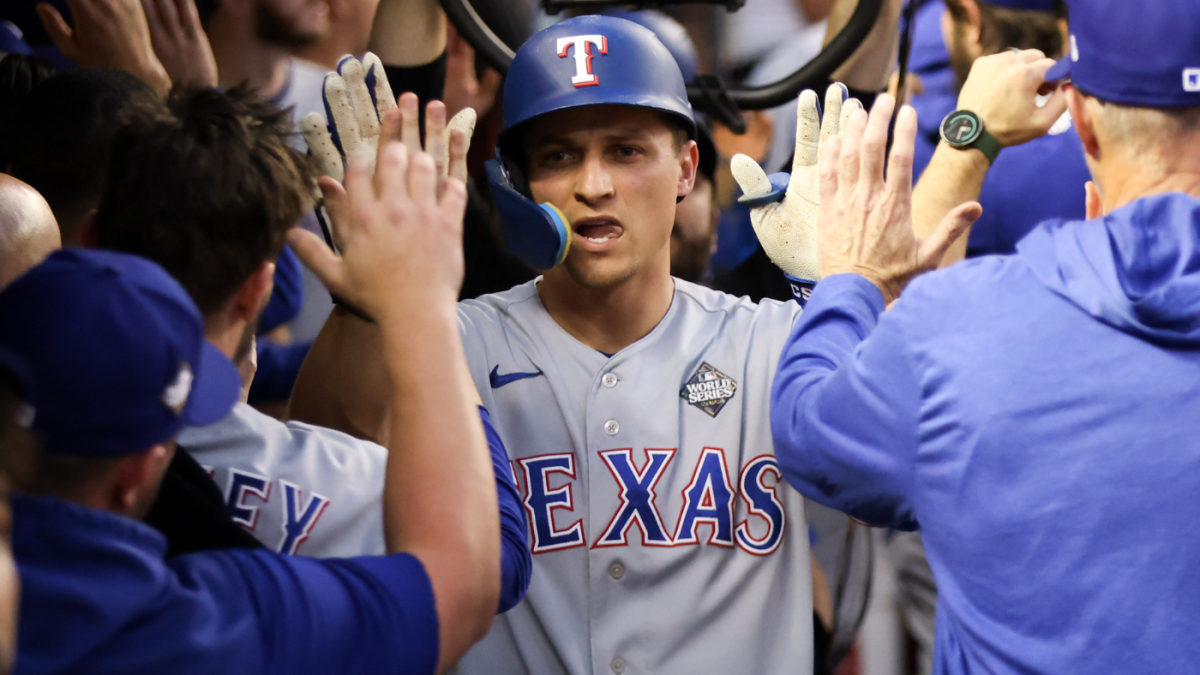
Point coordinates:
[(1140, 54), (117, 349)]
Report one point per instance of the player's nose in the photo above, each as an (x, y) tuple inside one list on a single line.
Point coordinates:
[(593, 182)]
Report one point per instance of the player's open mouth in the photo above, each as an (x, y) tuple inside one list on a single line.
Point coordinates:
[(597, 231)]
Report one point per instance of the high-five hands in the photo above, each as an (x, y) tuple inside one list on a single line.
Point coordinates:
[(401, 243), (785, 210), (363, 111), (865, 220)]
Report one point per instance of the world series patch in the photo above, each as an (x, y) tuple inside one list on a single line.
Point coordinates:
[(708, 389)]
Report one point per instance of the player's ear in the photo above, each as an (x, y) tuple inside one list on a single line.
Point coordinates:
[(689, 163), (974, 24), (250, 299)]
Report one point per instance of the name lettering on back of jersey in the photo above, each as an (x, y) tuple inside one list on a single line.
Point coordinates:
[(637, 497), (541, 500), (708, 389), (243, 484), (761, 501), (300, 516), (708, 499), (582, 45)]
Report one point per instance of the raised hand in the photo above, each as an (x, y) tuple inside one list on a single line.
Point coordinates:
[(1003, 90), (785, 209), (865, 220), (464, 88), (107, 34), (363, 111), (180, 42), (401, 244)]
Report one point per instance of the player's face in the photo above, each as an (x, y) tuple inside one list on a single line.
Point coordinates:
[(616, 173), (291, 23)]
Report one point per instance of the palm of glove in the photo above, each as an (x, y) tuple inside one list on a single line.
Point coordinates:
[(787, 226)]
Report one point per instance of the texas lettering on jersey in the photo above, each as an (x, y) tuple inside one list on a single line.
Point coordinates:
[(249, 493), (547, 486)]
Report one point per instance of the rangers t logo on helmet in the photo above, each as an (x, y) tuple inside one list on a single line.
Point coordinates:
[(583, 56)]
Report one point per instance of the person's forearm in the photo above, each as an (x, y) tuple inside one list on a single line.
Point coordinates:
[(408, 32), (343, 383), (953, 177), (440, 500)]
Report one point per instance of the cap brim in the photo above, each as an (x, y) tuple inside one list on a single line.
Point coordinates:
[(1059, 70), (215, 389)]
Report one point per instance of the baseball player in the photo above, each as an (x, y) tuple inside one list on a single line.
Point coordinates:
[(633, 405)]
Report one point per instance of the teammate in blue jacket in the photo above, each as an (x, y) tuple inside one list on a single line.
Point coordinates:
[(1026, 183), (1034, 415), (98, 595)]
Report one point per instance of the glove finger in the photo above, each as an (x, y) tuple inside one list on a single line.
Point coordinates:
[(834, 97), (321, 147), (378, 84), (360, 98), (749, 176), (342, 121), (808, 130)]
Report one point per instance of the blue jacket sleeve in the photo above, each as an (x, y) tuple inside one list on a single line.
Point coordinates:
[(844, 405), (301, 615), (516, 563)]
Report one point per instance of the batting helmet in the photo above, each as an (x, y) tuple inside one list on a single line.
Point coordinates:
[(584, 61)]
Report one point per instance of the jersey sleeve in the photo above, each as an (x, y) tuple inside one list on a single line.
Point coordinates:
[(357, 615), (844, 405), (516, 563)]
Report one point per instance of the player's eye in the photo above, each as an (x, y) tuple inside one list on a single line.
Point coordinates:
[(628, 151), (555, 157)]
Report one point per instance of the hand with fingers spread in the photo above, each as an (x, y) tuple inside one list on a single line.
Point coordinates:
[(866, 221), (401, 244), (362, 111), (180, 42), (786, 224), (107, 34), (1002, 89)]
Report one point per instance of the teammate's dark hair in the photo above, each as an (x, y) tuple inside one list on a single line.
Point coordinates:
[(208, 192), (19, 74), (1003, 27), (64, 132)]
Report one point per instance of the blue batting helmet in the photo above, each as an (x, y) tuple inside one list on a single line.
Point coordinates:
[(584, 61)]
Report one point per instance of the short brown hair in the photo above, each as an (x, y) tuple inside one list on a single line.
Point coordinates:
[(1003, 27), (208, 191)]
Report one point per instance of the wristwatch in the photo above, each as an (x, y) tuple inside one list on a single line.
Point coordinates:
[(963, 130)]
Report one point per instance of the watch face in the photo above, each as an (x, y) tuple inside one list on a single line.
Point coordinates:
[(961, 128)]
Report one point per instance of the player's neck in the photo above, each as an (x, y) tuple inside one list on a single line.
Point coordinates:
[(609, 319), (242, 57)]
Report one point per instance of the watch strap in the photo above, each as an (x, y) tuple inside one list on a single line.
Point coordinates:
[(988, 145)]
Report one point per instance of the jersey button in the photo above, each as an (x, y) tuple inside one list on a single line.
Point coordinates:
[(616, 570), (618, 665), (611, 427), (610, 380)]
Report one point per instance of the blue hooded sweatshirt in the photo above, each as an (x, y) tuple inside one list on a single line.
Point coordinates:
[(1037, 416)]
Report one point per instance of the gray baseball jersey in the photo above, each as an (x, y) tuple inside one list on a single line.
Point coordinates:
[(664, 539)]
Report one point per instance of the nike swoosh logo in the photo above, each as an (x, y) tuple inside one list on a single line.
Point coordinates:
[(499, 380)]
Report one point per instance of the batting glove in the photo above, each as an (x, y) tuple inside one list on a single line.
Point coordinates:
[(784, 208)]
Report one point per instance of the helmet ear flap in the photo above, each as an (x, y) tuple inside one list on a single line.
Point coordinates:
[(537, 234)]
